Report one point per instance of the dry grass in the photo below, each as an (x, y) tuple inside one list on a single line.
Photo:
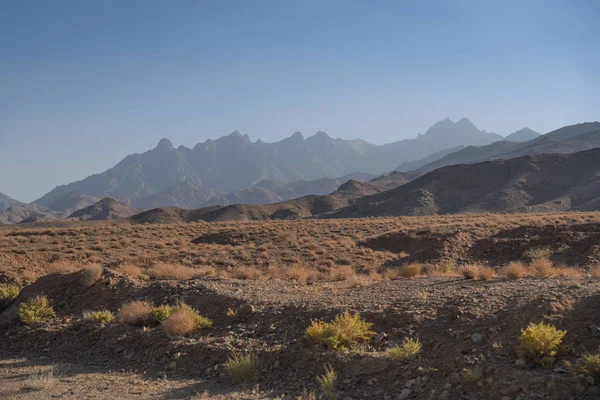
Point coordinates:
[(470, 271), (183, 321), (514, 270), (136, 313), (130, 269), (594, 271), (36, 310), (541, 267), (172, 271), (410, 270), (344, 331), (246, 272)]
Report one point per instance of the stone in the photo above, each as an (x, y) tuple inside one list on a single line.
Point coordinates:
[(520, 362), (444, 395), (410, 383), (404, 393), (477, 337)]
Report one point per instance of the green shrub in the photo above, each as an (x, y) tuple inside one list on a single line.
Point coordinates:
[(588, 365), (539, 343), (7, 294), (36, 309), (472, 374), (161, 313), (183, 320), (240, 368), (408, 350), (344, 331), (102, 317), (327, 382)]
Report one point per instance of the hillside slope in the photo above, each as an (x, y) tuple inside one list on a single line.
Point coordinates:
[(544, 182), (6, 202), (105, 209)]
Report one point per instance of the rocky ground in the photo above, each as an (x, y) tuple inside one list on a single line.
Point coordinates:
[(469, 329)]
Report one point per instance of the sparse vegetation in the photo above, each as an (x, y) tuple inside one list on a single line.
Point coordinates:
[(241, 367), (539, 343), (472, 374), (408, 350), (514, 270), (346, 330), (589, 366), (7, 294), (36, 310), (327, 382), (136, 313), (102, 317), (183, 320)]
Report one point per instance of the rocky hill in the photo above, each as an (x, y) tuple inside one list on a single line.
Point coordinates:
[(183, 176), (536, 183), (6, 202), (105, 209), (298, 208), (26, 213), (72, 202), (568, 139)]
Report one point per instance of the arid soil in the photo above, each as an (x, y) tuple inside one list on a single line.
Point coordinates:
[(263, 283)]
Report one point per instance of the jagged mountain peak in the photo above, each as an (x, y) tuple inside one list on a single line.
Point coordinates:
[(164, 145)]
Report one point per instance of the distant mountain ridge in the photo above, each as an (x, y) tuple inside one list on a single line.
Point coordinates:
[(7, 202), (568, 139), (232, 163)]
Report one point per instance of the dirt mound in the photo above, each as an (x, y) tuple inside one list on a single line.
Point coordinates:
[(69, 294), (577, 245), (234, 238), (171, 215)]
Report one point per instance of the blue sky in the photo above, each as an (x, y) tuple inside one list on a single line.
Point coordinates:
[(84, 83)]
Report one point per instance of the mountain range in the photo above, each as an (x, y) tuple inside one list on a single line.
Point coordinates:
[(219, 171)]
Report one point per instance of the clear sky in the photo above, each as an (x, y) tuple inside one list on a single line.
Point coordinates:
[(84, 83)]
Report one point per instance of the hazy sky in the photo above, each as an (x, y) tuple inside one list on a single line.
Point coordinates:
[(84, 83)]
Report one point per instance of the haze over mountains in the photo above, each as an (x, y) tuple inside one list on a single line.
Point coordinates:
[(171, 183), (206, 173)]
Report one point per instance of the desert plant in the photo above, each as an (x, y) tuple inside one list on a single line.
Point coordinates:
[(472, 374), (345, 330), (102, 317), (541, 267), (183, 320), (7, 294), (172, 271), (231, 313), (588, 365), (538, 252), (411, 270), (91, 274), (539, 343), (136, 313), (486, 273), (35, 310), (514, 270), (161, 313), (408, 350), (327, 382), (241, 367)]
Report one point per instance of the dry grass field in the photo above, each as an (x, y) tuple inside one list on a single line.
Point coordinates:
[(394, 308)]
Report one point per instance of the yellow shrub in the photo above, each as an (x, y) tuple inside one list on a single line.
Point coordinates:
[(539, 343), (183, 320), (345, 330), (36, 309), (240, 368), (161, 313), (7, 294), (406, 351), (589, 365), (103, 317)]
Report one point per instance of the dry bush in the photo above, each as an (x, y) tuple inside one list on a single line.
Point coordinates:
[(295, 273), (514, 270), (61, 267), (41, 381), (130, 269), (470, 271), (538, 252), (172, 271), (410, 270), (486, 273), (541, 267), (7, 294), (356, 281), (567, 272), (341, 273), (391, 274), (183, 320), (246, 272), (408, 350), (136, 313), (91, 274)]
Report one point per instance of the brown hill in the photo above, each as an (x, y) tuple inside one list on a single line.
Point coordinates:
[(72, 202), (29, 212), (301, 207), (105, 209), (548, 182), (7, 202)]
